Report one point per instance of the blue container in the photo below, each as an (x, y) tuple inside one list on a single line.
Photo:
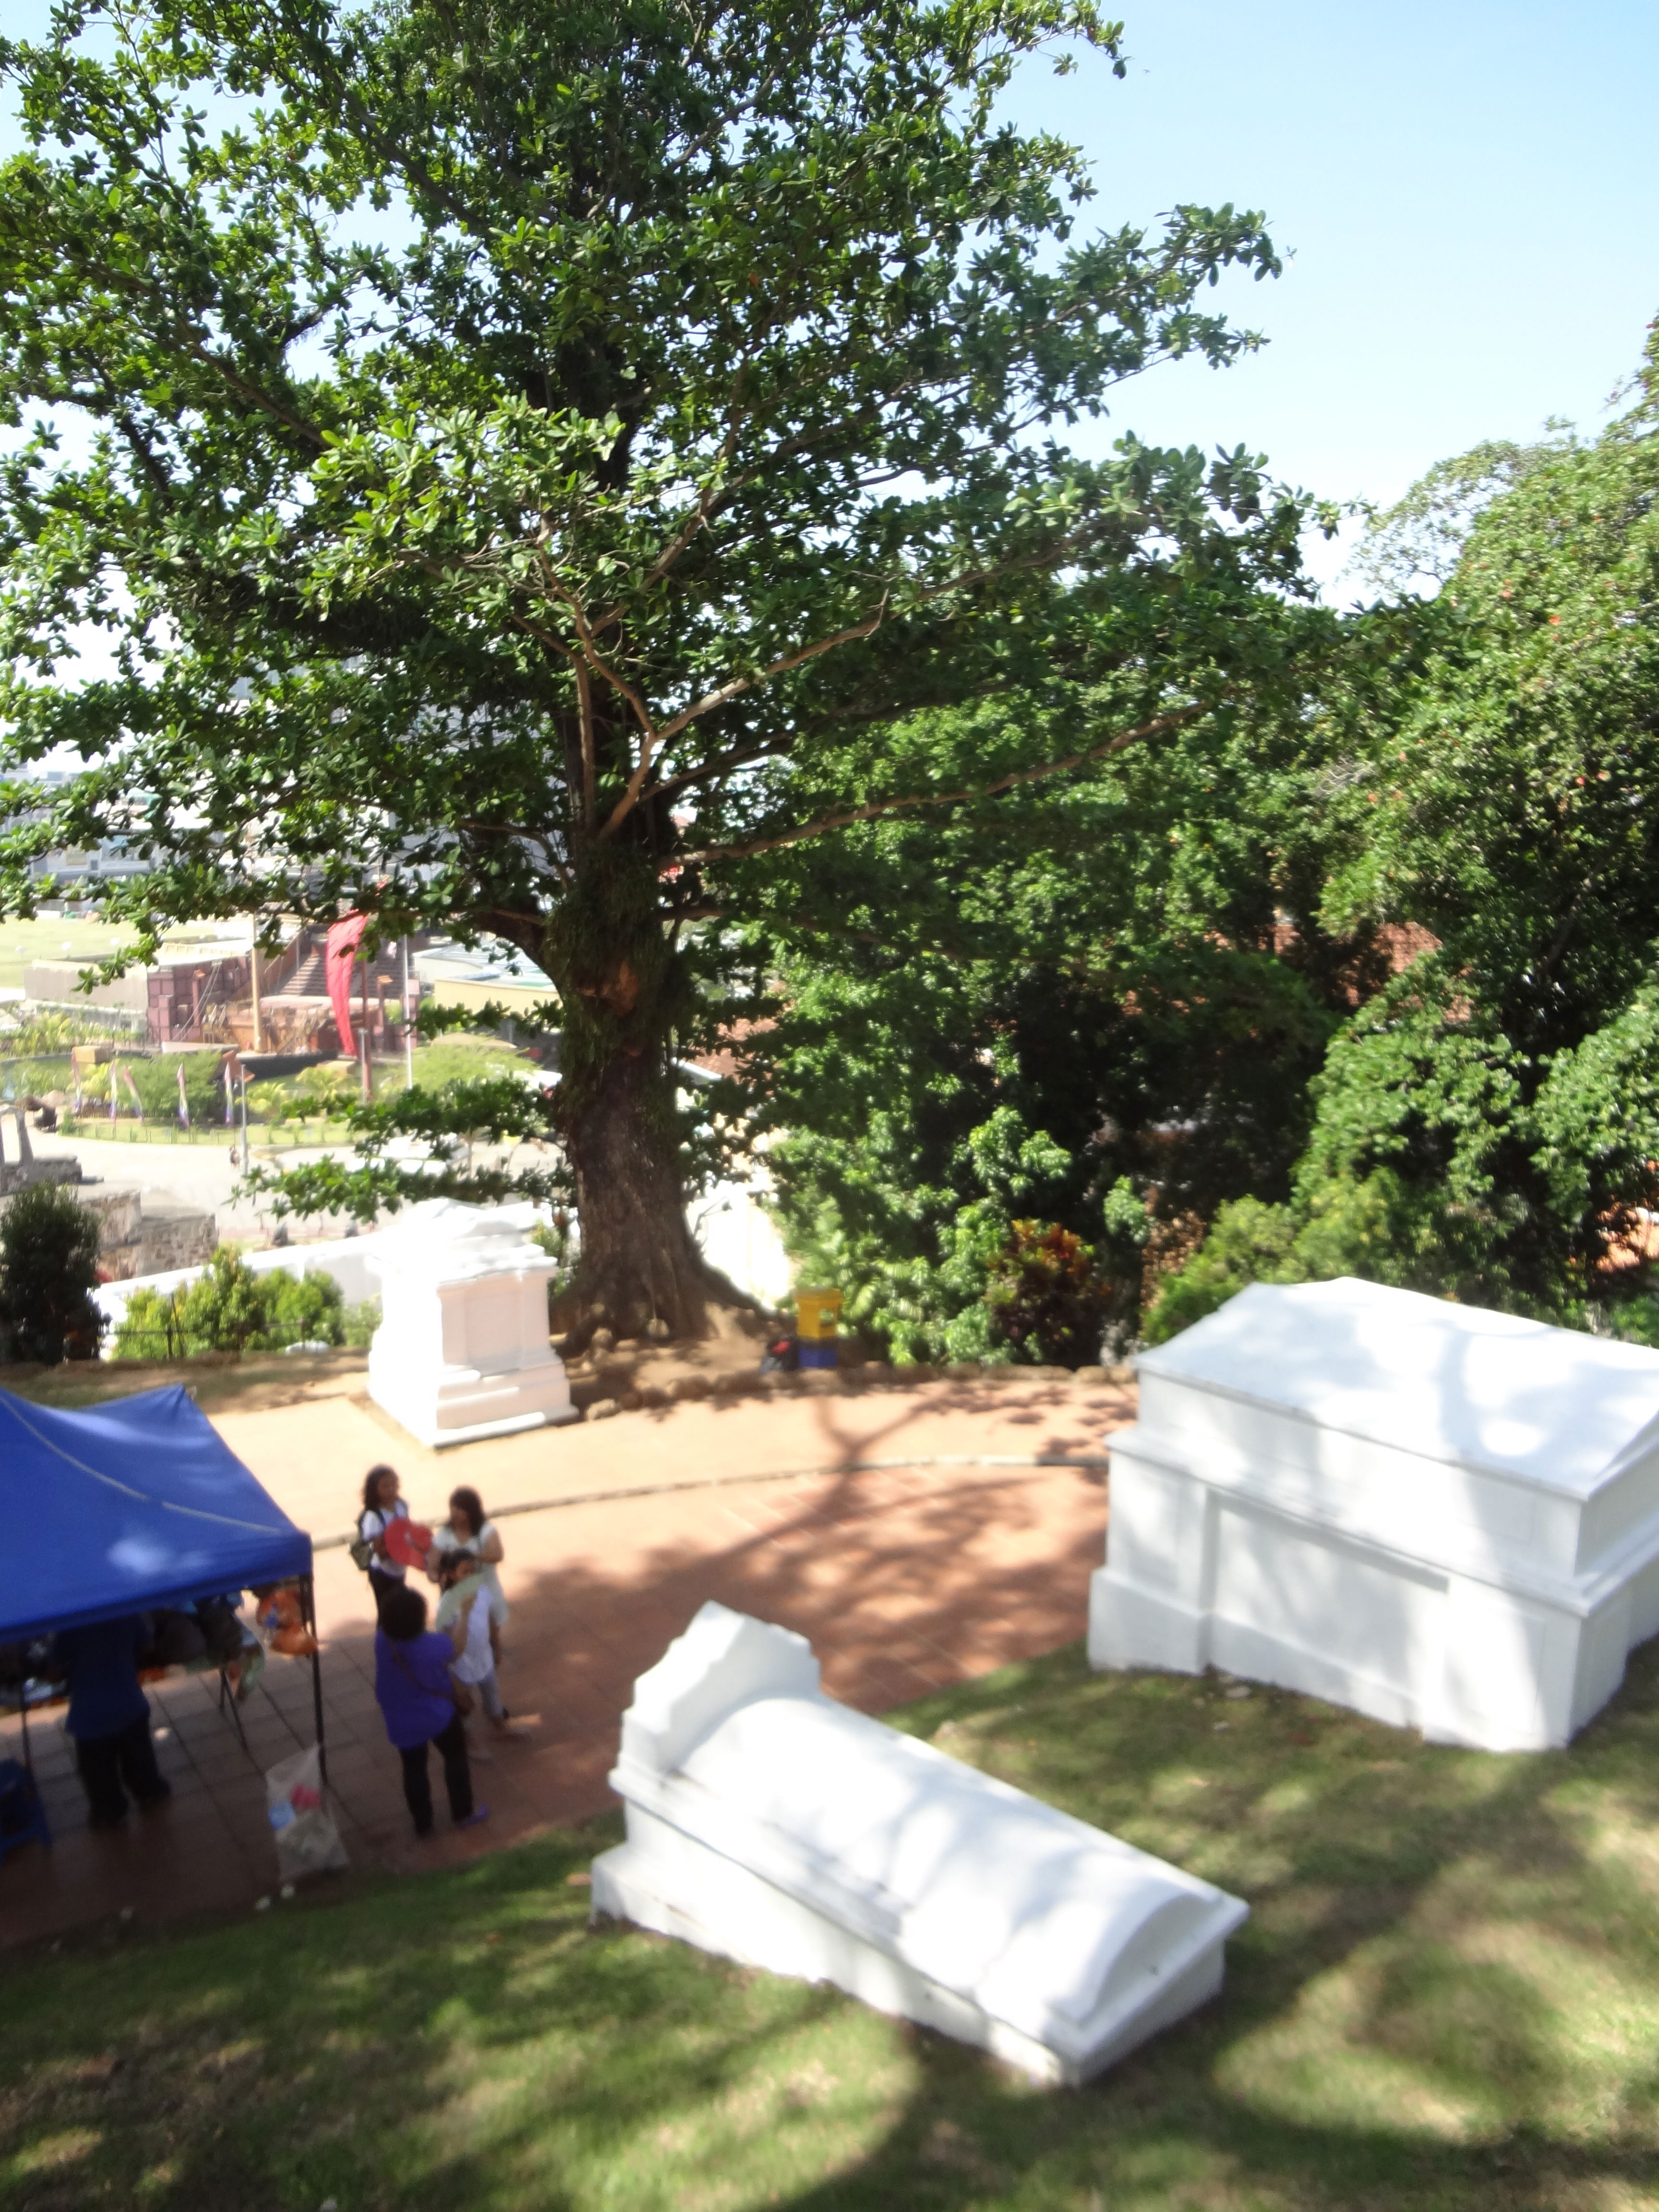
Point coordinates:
[(817, 1355)]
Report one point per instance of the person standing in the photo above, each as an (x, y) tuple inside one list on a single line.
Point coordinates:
[(109, 1718), (467, 1531), (382, 1505), (465, 1612), (420, 1707)]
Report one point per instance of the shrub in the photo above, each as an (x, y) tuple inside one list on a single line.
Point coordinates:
[(37, 1034), (1046, 1296), (1248, 1243), (269, 1101), (156, 1081), (558, 1239), (360, 1323), (304, 1308), (226, 1307), (151, 1328), (327, 1087), (230, 1308), (48, 1271)]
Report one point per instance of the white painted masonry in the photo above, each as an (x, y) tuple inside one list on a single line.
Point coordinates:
[(462, 1349), (769, 1824), (1444, 1518)]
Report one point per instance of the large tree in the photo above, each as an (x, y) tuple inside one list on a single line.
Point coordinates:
[(1487, 1125), (524, 459), (1102, 1010)]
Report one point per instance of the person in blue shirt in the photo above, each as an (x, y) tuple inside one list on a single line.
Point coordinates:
[(418, 1702), (109, 1718)]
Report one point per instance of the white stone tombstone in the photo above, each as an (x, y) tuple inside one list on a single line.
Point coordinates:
[(768, 1823), (462, 1351), (1444, 1518)]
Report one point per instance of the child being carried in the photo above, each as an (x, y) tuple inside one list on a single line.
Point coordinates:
[(468, 1610)]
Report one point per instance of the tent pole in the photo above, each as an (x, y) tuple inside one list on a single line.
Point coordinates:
[(310, 1589)]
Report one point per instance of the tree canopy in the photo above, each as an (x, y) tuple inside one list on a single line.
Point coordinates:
[(527, 462), (1487, 1124)]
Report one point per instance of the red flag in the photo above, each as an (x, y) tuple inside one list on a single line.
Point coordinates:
[(337, 963)]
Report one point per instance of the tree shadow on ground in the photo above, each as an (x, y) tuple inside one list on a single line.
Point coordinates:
[(1444, 1996)]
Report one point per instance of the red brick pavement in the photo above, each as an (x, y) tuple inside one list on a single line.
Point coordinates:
[(904, 1580)]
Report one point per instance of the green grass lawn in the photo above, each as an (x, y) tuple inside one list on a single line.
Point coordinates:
[(461, 1058), (45, 938), (1447, 1996)]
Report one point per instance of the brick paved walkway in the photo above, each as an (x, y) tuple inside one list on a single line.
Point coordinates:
[(904, 1579)]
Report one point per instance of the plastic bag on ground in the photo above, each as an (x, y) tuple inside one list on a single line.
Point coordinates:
[(301, 1817)]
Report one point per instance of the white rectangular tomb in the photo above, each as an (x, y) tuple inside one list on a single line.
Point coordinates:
[(462, 1351), (1444, 1518), (769, 1824)]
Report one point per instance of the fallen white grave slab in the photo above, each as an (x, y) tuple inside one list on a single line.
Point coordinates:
[(1444, 1518), (771, 1824), (462, 1351)]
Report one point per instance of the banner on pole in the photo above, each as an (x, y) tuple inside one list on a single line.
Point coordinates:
[(341, 956)]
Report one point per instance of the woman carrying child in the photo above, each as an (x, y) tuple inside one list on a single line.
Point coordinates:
[(468, 1536), (465, 1610)]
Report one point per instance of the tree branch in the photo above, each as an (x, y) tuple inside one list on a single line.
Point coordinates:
[(590, 769), (739, 684), (740, 756), (880, 806)]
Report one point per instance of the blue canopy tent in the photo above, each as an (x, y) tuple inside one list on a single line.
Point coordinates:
[(130, 1507)]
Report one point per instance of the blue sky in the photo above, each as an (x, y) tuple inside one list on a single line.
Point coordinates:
[(1470, 193), (1468, 196)]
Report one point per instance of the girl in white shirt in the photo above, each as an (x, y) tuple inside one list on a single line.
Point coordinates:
[(467, 1531), (472, 1631), (381, 1506)]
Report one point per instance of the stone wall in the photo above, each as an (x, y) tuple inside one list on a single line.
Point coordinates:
[(142, 1233)]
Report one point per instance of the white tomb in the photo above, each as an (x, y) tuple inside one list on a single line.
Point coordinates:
[(771, 1824), (462, 1351), (1444, 1518)]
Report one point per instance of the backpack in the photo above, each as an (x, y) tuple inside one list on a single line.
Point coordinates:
[(362, 1552)]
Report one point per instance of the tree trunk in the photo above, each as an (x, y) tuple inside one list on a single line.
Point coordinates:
[(623, 989), (639, 1261)]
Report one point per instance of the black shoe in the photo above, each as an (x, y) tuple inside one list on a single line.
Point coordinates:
[(107, 1820)]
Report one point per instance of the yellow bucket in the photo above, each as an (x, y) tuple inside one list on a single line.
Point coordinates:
[(817, 1315)]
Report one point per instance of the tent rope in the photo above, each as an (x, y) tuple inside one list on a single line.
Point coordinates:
[(144, 1498)]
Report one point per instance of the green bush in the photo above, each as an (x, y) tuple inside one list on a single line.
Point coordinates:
[(360, 1323), (230, 1308), (1248, 1243), (304, 1308), (557, 1239), (330, 1086), (152, 1328), (1375, 1227), (36, 1033), (156, 1081), (1047, 1300), (269, 1101), (48, 1271)]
